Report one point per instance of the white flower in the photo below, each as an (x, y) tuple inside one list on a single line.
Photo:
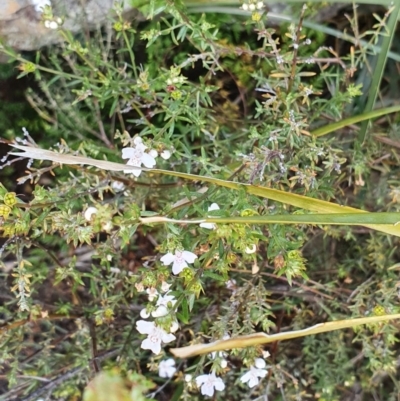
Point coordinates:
[(155, 336), (178, 259), (251, 249), (165, 286), (152, 292), (208, 383), (137, 156), (231, 284), (165, 154), (210, 226), (266, 354), (223, 363), (245, 7), (106, 226), (40, 4), (252, 7), (252, 377), (188, 378), (117, 186), (260, 5), (167, 368), (163, 302), (89, 212)]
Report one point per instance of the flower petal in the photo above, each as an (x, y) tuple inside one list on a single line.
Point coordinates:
[(148, 160), (144, 314), (166, 154), (219, 384), (127, 153), (189, 256), (167, 259), (151, 345), (251, 249), (177, 267), (167, 337), (160, 311), (213, 206), (209, 226), (138, 141), (144, 327), (201, 379), (259, 363)]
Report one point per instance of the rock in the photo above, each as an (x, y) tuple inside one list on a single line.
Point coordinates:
[(21, 26)]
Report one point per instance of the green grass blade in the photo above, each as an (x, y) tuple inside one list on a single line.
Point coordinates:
[(379, 69), (349, 219), (327, 129)]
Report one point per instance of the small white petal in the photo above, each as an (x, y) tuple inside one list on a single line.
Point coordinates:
[(165, 286), (160, 311), (144, 327), (251, 249), (213, 206), (144, 314), (189, 256), (266, 354), (209, 226), (167, 337), (174, 326), (153, 153), (167, 259), (259, 363), (245, 7), (148, 160), (188, 378), (223, 363), (177, 267), (89, 212), (151, 345), (165, 154), (152, 292), (127, 153), (138, 140), (252, 7), (117, 186)]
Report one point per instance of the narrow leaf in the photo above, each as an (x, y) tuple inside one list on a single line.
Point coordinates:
[(262, 338)]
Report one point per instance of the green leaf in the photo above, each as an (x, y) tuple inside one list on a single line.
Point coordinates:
[(327, 129)]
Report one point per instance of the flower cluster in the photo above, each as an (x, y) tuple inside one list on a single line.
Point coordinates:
[(157, 335)]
